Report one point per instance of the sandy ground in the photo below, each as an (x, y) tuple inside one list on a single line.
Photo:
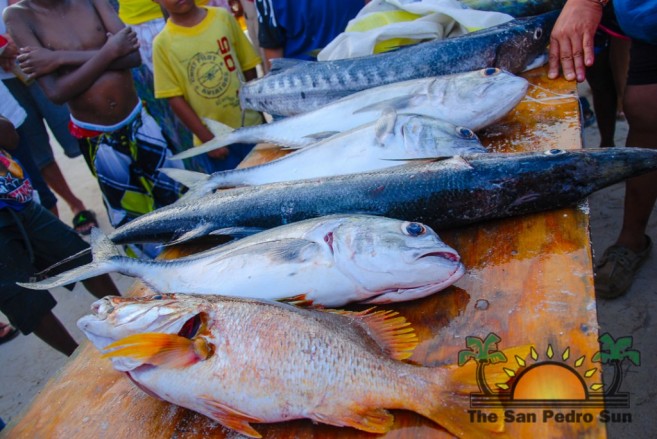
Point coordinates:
[(27, 363)]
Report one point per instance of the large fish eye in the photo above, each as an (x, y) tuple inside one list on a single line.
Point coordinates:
[(413, 229), (465, 133), (538, 33), (555, 151), (490, 71)]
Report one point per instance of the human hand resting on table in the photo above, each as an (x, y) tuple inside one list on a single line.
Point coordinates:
[(571, 41)]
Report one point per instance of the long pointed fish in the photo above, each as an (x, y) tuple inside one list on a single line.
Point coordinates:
[(390, 141), (242, 362), (440, 194), (309, 85), (473, 100), (327, 261)]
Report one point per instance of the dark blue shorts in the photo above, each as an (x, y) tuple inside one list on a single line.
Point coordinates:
[(643, 64), (42, 241)]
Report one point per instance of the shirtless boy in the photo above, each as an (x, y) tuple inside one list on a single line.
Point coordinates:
[(81, 53)]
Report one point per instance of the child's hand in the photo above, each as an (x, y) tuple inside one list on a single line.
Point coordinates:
[(122, 43), (37, 61), (219, 153)]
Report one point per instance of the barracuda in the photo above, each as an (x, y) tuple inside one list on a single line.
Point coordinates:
[(306, 86)]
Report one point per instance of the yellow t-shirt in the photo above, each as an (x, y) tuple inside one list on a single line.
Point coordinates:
[(201, 64), (133, 12)]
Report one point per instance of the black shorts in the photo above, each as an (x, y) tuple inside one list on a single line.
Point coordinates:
[(643, 64), (50, 241)]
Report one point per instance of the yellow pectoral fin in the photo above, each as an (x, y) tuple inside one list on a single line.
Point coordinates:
[(231, 418), (168, 350), (391, 331)]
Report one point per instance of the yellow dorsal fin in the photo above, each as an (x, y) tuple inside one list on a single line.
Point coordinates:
[(231, 418), (390, 330), (168, 350)]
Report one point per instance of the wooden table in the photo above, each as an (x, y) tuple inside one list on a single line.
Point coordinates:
[(529, 281)]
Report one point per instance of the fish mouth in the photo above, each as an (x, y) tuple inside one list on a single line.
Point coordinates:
[(402, 294), (450, 256)]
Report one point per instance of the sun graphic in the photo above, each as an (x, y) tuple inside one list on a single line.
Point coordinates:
[(551, 379)]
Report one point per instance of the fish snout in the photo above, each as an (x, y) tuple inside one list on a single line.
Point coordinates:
[(102, 308)]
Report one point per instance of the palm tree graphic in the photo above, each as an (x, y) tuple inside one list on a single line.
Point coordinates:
[(615, 352), (484, 352)]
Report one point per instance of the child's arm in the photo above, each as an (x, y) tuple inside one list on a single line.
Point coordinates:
[(39, 61), (61, 89), (8, 135), (191, 120)]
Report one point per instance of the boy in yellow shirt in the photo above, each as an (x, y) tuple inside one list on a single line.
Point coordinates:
[(199, 58)]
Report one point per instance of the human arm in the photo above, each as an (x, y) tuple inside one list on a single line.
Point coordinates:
[(250, 74), (8, 56), (39, 61), (8, 135), (120, 41), (190, 119), (571, 41)]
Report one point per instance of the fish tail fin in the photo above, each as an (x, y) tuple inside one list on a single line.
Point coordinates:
[(105, 255), (223, 136), (169, 350), (460, 383)]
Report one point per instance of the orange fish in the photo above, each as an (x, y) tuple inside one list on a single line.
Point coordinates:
[(241, 361)]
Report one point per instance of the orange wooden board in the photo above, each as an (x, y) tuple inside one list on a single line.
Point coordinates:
[(529, 280)]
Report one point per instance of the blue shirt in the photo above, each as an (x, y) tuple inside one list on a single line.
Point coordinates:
[(303, 27), (638, 18)]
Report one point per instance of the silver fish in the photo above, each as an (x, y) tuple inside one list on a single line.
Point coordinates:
[(473, 100), (241, 361), (441, 194), (391, 141), (308, 85), (326, 261)]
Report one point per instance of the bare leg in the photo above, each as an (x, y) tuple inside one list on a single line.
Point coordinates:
[(619, 59), (55, 180), (640, 192), (51, 331), (101, 286), (599, 77)]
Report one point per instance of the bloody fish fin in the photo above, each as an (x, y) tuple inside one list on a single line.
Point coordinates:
[(299, 300), (231, 418), (376, 420), (460, 383), (390, 330), (167, 350)]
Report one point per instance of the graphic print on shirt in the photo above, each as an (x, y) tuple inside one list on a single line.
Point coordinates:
[(14, 185), (209, 72)]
